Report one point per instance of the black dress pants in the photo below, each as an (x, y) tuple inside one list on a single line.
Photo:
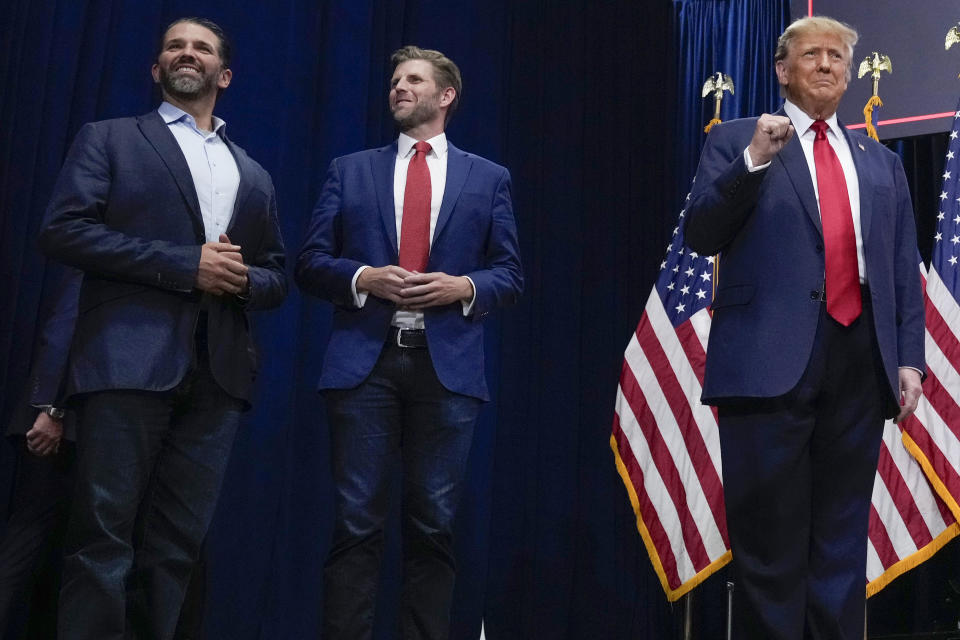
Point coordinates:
[(798, 475)]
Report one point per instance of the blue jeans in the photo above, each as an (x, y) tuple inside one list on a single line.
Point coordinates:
[(400, 413), (149, 469)]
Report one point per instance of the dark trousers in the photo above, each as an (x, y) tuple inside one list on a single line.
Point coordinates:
[(399, 414), (31, 551), (798, 475), (30, 548), (150, 466)]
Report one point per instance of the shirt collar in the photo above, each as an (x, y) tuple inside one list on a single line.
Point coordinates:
[(801, 121), (438, 144), (171, 114)]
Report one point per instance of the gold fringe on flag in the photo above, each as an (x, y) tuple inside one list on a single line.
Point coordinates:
[(874, 101), (710, 124)]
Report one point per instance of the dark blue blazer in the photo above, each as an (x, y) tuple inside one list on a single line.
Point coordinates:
[(354, 224), (766, 226), (125, 211)]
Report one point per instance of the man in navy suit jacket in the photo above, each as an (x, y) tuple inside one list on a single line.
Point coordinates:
[(175, 230), (806, 359), (414, 243)]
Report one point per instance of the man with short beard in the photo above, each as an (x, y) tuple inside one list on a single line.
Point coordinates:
[(414, 243), (175, 230)]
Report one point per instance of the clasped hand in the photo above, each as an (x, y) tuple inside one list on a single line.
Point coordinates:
[(221, 269), (413, 291)]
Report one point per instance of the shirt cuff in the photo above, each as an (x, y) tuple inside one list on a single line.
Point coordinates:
[(468, 305), (913, 368), (749, 162), (359, 299)]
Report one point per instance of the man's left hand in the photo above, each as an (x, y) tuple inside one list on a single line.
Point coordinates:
[(910, 391), (422, 290), (44, 436)]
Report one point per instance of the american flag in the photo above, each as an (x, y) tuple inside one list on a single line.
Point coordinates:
[(932, 434), (667, 450), (666, 444)]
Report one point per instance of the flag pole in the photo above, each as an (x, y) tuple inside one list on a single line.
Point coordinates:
[(688, 616), (729, 610)]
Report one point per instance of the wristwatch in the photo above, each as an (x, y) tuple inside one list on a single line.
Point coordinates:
[(53, 412)]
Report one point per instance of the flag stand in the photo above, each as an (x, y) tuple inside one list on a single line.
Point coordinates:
[(729, 610)]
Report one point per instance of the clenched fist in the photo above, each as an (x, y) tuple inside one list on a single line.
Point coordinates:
[(770, 136)]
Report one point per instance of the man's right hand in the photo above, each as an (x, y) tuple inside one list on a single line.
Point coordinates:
[(221, 269), (770, 136), (383, 282)]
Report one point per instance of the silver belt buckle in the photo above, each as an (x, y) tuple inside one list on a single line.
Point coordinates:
[(400, 338)]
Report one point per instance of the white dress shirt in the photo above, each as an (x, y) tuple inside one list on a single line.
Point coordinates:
[(802, 126), (216, 177), (437, 165)]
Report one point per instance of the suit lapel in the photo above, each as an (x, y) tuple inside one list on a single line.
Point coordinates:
[(243, 189), (382, 163), (458, 167), (156, 131), (858, 152), (795, 163)]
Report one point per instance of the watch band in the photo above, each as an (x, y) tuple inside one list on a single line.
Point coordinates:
[(53, 412)]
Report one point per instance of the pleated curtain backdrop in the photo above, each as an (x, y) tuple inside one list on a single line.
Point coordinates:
[(595, 109)]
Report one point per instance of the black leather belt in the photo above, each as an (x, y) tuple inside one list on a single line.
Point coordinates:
[(407, 338)]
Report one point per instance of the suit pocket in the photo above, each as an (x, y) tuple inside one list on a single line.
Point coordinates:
[(97, 292), (733, 295)]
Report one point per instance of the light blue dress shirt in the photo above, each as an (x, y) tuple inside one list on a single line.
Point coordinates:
[(216, 177)]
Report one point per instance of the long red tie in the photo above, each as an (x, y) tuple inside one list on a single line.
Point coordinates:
[(415, 224), (839, 238)]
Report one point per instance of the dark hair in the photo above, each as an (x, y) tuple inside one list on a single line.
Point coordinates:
[(224, 48), (445, 72)]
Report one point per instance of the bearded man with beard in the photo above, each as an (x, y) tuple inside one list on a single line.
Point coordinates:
[(175, 230), (414, 244)]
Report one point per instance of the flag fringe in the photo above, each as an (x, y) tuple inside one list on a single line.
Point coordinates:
[(710, 124), (874, 101), (912, 561), (928, 470), (672, 594)]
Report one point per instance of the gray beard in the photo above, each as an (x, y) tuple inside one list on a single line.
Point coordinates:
[(186, 87)]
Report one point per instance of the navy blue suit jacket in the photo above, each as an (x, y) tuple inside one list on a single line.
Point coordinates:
[(354, 224), (766, 226), (125, 211)]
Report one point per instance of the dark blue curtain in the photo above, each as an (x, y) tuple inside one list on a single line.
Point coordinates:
[(587, 105), (735, 37)]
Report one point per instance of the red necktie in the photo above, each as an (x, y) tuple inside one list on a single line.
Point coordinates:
[(415, 223), (839, 238)]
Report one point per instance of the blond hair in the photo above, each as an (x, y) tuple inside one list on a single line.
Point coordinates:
[(816, 24)]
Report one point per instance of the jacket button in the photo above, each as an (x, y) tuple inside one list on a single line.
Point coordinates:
[(819, 248), (814, 295)]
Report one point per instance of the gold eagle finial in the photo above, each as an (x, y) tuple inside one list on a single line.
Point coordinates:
[(874, 65), (953, 37), (716, 84)]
